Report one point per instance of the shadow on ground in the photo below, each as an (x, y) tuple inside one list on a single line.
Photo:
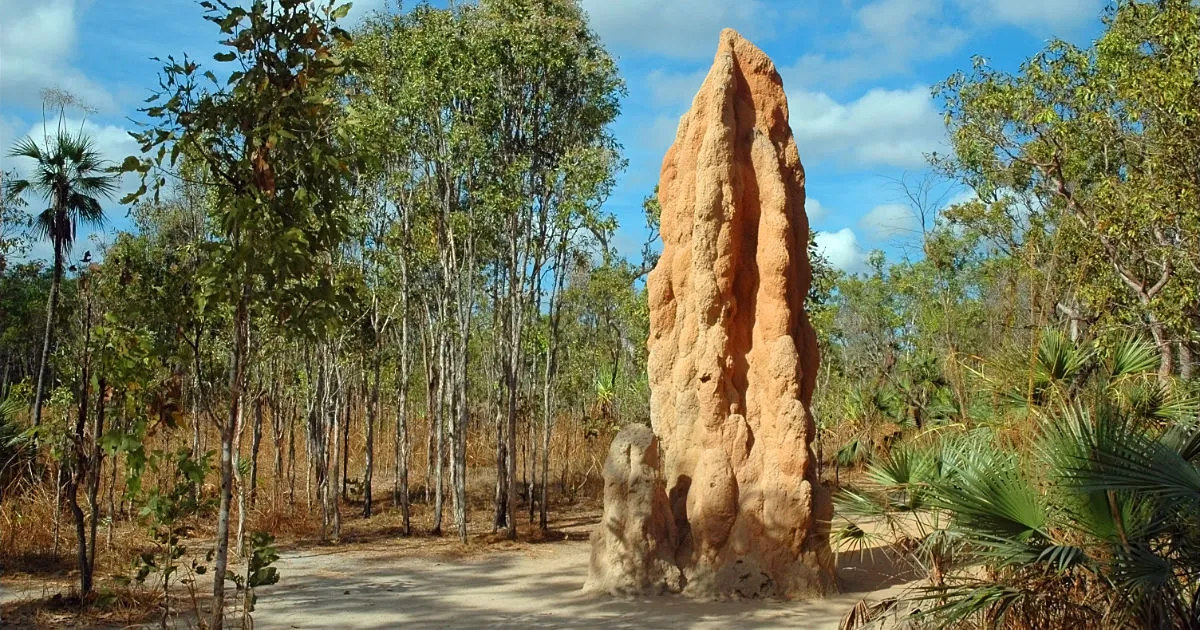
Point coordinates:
[(376, 589)]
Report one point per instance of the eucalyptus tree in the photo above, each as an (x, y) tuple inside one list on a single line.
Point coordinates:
[(267, 137), (428, 85), (1098, 147), (72, 177), (14, 223), (556, 91), (388, 183)]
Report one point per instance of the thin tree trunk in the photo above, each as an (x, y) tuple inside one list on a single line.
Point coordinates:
[(345, 441), (501, 497), (79, 448), (439, 489), (196, 416), (291, 429), (228, 432), (1187, 364), (97, 464), (278, 434), (240, 547), (430, 406), (340, 394), (402, 447), (500, 500), (39, 392), (255, 445), (372, 415)]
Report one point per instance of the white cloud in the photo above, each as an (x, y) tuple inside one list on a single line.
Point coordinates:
[(887, 38), (883, 127), (660, 134), (814, 210), (114, 144), (966, 195), (889, 221), (842, 250), (36, 41), (1038, 16), (684, 29), (675, 90)]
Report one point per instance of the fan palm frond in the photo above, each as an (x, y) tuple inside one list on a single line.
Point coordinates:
[(1131, 356), (71, 175), (1060, 360)]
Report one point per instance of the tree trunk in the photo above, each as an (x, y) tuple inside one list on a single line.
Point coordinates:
[(431, 386), (291, 429), (278, 435), (1167, 363), (440, 455), (1187, 364), (255, 445), (345, 441), (240, 535), (372, 415), (97, 463), (228, 431), (501, 498), (335, 509), (402, 448), (461, 418), (78, 442), (72, 490), (39, 393)]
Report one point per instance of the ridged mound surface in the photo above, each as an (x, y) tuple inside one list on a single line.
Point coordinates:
[(733, 358)]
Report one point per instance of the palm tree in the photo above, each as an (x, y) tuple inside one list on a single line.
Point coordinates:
[(70, 174), (1090, 522)]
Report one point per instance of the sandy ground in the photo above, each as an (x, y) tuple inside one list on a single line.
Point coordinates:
[(529, 588), (388, 583)]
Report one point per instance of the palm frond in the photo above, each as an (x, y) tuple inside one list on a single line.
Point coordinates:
[(1128, 458), (26, 147), (995, 507), (1059, 360), (1132, 356)]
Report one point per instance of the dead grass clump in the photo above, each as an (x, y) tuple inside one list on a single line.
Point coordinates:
[(114, 607)]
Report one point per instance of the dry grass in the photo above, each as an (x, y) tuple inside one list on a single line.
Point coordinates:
[(109, 608), (33, 560)]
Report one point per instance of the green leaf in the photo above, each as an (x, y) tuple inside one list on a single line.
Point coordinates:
[(340, 12)]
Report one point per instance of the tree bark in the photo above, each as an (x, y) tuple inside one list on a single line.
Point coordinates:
[(97, 463), (372, 415), (255, 446), (39, 393), (228, 430), (401, 490), (440, 455), (1187, 364)]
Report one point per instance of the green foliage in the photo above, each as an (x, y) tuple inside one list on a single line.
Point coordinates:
[(259, 571), (167, 513), (1087, 520), (268, 143), (1084, 166)]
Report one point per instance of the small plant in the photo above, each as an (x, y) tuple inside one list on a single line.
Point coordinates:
[(165, 513), (1089, 520), (259, 572)]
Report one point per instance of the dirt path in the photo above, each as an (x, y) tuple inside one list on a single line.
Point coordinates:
[(536, 588)]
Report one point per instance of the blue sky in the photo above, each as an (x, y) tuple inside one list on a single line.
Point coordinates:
[(857, 72)]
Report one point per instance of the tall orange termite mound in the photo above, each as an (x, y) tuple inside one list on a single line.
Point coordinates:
[(722, 499)]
